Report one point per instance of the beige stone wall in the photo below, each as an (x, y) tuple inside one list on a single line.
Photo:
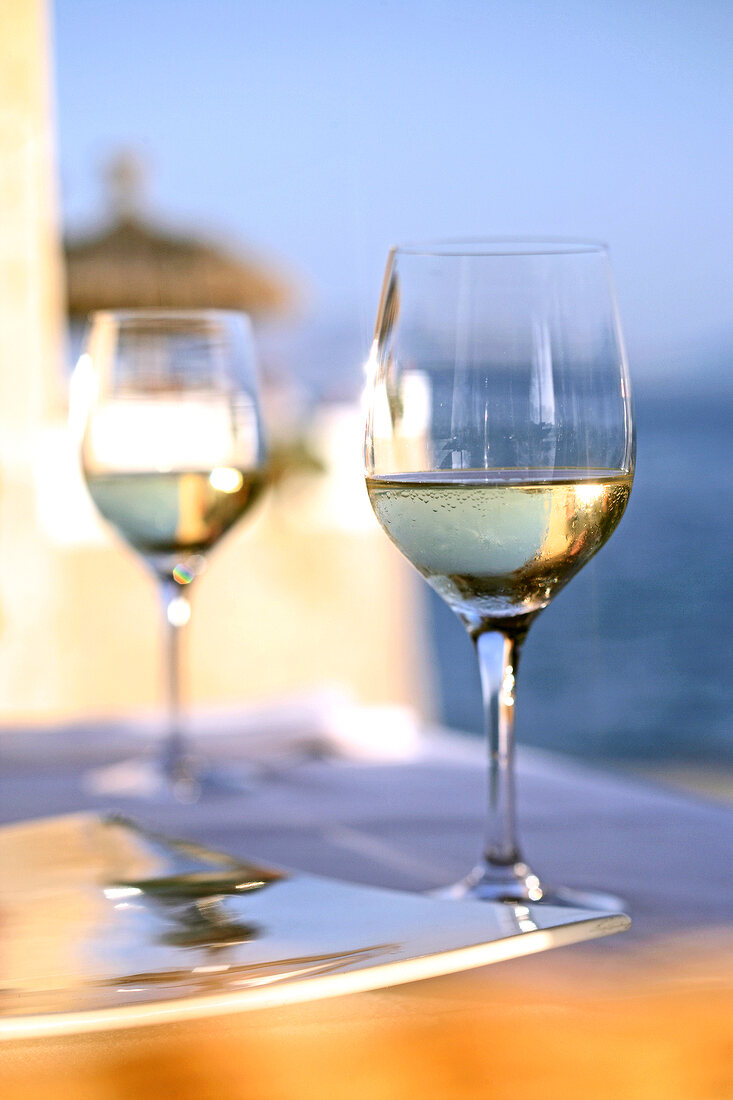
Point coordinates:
[(281, 609)]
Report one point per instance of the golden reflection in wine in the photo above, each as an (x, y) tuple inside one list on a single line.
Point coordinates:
[(170, 514), (498, 544)]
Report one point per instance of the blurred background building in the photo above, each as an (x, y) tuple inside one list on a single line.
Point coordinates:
[(131, 263), (286, 147)]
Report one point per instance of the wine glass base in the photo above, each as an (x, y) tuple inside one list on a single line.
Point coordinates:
[(517, 883), (149, 780), (598, 901)]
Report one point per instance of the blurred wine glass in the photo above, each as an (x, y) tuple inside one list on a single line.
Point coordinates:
[(166, 407), (499, 459)]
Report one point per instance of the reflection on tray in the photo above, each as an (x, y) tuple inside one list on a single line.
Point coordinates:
[(106, 924), (192, 901)]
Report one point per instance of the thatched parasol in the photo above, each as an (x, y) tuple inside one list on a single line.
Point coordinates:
[(132, 264)]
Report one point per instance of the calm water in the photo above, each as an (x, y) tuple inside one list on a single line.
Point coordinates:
[(634, 659)]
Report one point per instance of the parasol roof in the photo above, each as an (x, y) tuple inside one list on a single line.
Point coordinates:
[(132, 263)]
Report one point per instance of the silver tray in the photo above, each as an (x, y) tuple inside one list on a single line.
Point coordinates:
[(104, 925)]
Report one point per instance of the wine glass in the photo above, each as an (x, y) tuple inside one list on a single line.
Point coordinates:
[(499, 458), (166, 407)]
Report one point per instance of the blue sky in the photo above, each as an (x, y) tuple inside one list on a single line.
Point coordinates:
[(323, 131)]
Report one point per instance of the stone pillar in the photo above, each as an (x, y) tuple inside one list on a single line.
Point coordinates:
[(31, 329)]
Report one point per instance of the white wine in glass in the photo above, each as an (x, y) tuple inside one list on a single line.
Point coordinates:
[(166, 405), (499, 459)]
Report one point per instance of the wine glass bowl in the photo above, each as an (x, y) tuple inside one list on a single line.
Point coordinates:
[(166, 407), (499, 456)]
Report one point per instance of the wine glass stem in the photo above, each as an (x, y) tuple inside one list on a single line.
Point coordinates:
[(498, 655), (176, 611)]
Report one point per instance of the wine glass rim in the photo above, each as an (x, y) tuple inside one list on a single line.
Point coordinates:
[(501, 246)]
